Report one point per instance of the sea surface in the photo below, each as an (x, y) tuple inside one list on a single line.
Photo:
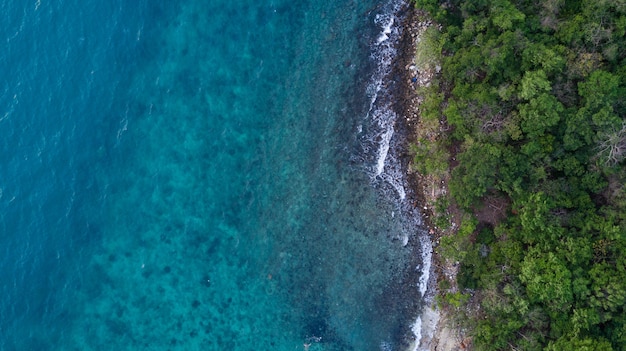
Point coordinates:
[(204, 175)]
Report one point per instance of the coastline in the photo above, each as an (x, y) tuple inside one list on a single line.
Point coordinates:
[(437, 328)]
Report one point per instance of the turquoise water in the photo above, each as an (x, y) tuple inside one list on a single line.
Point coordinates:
[(203, 176)]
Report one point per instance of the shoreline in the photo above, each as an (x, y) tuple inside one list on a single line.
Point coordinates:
[(435, 324)]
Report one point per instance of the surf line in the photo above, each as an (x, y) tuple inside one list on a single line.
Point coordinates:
[(385, 163)]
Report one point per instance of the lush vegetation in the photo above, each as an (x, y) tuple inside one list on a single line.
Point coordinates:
[(533, 95)]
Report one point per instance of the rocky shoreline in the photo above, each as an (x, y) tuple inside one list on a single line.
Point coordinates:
[(438, 331)]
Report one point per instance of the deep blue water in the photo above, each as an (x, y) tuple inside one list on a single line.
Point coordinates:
[(201, 175)]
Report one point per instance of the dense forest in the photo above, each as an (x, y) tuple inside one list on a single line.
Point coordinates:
[(532, 98)]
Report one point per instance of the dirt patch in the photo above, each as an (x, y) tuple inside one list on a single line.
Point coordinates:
[(493, 210)]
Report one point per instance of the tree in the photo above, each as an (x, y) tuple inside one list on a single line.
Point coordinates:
[(612, 145), (550, 12), (504, 14), (577, 251), (547, 280), (476, 173), (601, 95), (534, 83), (538, 225), (599, 90), (608, 289), (569, 342), (539, 114)]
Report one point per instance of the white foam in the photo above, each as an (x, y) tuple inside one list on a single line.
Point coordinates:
[(424, 332), (386, 29), (380, 114), (394, 178), (424, 329), (383, 149), (427, 257), (405, 239), (373, 88), (416, 328)]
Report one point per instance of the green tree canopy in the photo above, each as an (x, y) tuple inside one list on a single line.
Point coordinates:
[(547, 280)]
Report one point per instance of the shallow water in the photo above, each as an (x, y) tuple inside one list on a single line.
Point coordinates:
[(210, 176)]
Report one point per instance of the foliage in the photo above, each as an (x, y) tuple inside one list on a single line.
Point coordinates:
[(533, 93), (429, 49), (475, 174)]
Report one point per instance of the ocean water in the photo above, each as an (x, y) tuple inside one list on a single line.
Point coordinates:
[(204, 175)]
